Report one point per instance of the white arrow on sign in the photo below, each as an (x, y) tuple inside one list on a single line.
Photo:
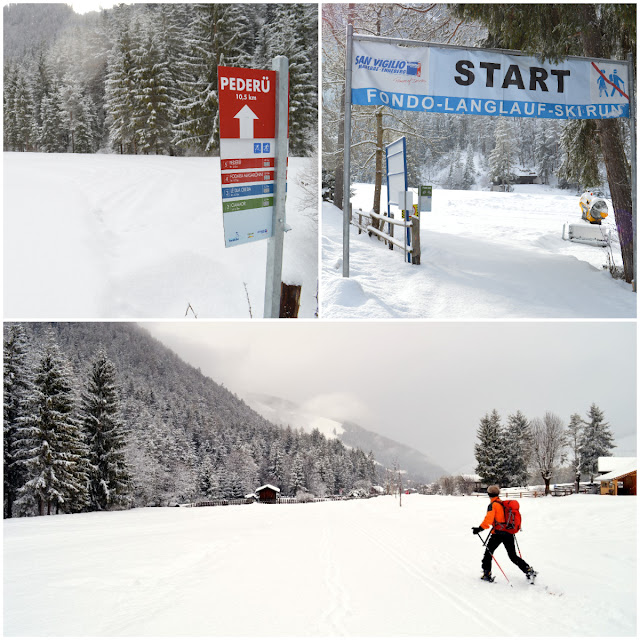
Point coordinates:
[(246, 118)]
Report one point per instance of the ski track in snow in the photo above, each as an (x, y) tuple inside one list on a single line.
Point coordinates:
[(484, 255), (334, 569), (109, 236)]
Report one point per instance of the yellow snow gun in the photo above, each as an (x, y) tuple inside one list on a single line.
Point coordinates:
[(594, 209)]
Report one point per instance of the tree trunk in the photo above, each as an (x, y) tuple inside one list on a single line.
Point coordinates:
[(547, 482), (620, 186), (618, 174)]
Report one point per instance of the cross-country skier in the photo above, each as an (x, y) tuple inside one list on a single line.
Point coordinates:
[(495, 514)]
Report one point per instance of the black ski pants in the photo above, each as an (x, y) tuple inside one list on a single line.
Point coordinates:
[(495, 540)]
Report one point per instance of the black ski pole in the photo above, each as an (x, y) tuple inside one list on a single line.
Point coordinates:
[(517, 545), (484, 544)]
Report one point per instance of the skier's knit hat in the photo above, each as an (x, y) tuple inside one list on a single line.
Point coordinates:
[(493, 490)]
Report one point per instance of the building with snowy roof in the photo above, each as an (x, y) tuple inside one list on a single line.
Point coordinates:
[(267, 493), (619, 477)]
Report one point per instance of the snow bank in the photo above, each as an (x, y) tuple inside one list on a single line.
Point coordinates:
[(355, 568), (484, 255), (111, 236)]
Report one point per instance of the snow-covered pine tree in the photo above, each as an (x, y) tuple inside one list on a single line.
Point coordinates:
[(597, 440), (109, 480), (50, 445), (214, 39), (153, 108), (502, 158), (51, 138), (120, 92), (293, 33), (547, 146), (297, 478), (579, 140), (468, 176), (23, 114), (574, 438), (490, 450), (86, 135), (17, 387), (518, 449)]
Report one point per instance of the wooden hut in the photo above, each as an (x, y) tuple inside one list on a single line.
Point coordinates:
[(267, 493), (621, 480)]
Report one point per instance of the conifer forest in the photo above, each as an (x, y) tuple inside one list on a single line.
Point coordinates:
[(101, 416), (142, 78)]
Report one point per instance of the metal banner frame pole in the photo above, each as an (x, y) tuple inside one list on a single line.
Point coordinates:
[(275, 244), (346, 194), (634, 178)]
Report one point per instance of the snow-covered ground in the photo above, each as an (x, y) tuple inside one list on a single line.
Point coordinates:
[(484, 255), (111, 236), (367, 567)]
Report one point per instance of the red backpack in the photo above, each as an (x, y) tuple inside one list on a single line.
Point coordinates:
[(512, 518)]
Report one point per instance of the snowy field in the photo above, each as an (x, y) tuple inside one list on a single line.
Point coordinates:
[(484, 255), (368, 568), (110, 236)]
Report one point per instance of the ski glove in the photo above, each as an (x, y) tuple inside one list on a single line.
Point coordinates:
[(476, 530)]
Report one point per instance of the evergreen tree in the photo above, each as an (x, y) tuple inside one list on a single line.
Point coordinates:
[(502, 158), (574, 438), (108, 474), (120, 92), (16, 390), (86, 134), (215, 40), (597, 440), (50, 445), (297, 480), (490, 450), (518, 449), (153, 111), (23, 115), (468, 177), (291, 34), (51, 133)]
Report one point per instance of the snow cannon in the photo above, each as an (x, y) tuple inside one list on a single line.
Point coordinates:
[(594, 209)]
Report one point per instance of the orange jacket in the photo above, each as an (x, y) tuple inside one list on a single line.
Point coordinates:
[(495, 513)]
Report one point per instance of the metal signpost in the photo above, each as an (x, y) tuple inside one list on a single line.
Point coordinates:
[(253, 112), (410, 75), (396, 156)]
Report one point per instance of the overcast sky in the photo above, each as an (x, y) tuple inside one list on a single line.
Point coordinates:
[(84, 6), (425, 384)]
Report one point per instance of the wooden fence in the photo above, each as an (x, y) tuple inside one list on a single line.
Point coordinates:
[(365, 223), (558, 491), (280, 500)]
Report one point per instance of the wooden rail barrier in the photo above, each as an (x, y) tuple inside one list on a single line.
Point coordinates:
[(413, 224)]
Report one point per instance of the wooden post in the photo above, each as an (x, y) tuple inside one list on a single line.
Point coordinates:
[(359, 221), (415, 239), (391, 230), (290, 300)]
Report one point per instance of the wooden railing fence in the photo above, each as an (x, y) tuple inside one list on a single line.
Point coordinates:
[(365, 223)]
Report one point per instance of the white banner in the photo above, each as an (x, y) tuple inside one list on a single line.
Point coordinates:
[(473, 81)]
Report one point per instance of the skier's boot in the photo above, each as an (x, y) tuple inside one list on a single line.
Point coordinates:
[(531, 575), (487, 577)]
